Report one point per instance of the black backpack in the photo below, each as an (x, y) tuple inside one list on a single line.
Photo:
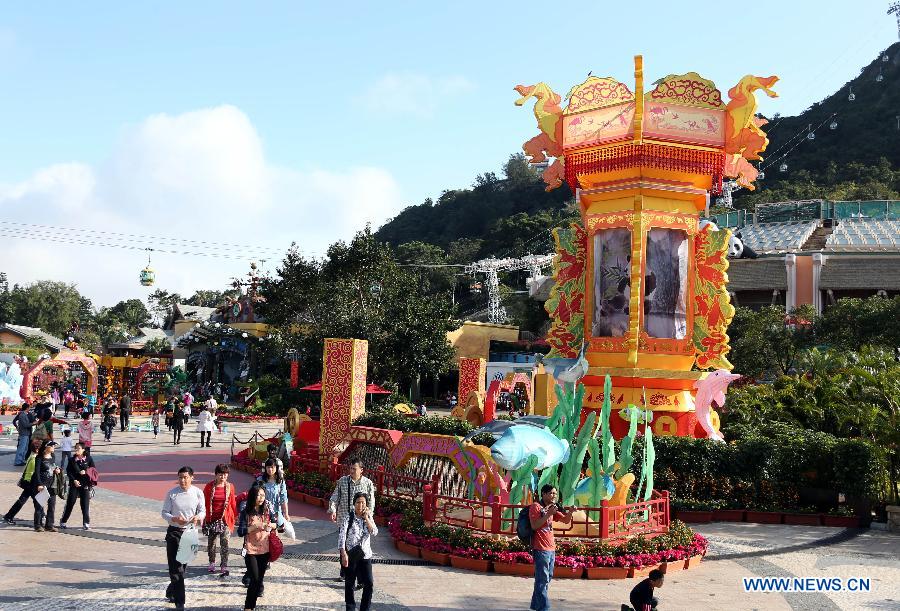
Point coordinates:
[(523, 526)]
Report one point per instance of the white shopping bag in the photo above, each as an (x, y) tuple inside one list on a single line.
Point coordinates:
[(289, 530), (188, 546)]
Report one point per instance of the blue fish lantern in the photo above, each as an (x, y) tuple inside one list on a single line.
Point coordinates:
[(520, 442)]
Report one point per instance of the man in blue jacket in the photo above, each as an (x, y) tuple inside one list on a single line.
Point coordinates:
[(24, 423)]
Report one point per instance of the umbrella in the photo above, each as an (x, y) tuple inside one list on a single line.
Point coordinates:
[(375, 389), (317, 387)]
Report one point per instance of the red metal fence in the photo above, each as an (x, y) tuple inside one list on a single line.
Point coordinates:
[(605, 522), (648, 518)]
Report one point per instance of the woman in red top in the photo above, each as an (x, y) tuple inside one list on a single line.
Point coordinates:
[(221, 512)]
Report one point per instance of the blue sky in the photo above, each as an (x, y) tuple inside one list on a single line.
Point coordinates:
[(108, 105)]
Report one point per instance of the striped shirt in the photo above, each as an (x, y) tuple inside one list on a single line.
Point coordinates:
[(359, 534), (342, 505)]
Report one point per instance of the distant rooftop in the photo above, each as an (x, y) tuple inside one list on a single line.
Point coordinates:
[(50, 341)]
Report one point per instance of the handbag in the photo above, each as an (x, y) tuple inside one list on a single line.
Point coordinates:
[(276, 547), (216, 527), (356, 553)]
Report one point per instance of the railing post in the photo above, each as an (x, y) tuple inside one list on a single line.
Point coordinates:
[(436, 483), (496, 517), (379, 480), (429, 508), (604, 519), (665, 498)]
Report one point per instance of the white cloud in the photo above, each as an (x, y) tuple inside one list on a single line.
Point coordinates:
[(199, 179), (412, 93)]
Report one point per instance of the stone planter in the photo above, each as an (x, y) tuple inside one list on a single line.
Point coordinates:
[(728, 515), (567, 572), (803, 519), (763, 517), (692, 561), (841, 521), (296, 495), (406, 548), (671, 567), (470, 564), (695, 517), (435, 557), (642, 571), (607, 572), (515, 568), (381, 520)]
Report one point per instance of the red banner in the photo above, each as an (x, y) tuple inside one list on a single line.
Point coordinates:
[(295, 373)]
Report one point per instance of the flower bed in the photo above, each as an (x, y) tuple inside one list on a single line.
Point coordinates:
[(239, 418), (574, 559), (315, 488)]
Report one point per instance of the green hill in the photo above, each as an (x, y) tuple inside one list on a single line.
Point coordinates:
[(857, 159)]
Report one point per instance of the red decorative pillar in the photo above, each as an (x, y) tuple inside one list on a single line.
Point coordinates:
[(472, 373), (343, 390)]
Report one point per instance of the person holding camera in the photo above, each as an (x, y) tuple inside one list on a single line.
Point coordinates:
[(355, 547), (543, 543)]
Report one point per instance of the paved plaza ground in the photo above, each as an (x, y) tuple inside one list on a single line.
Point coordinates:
[(120, 563)]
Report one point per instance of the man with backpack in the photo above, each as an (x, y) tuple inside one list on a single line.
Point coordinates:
[(543, 543), (23, 423)]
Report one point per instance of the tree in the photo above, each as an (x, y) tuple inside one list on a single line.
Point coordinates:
[(853, 323), (132, 313), (360, 292), (767, 343), (52, 306), (209, 299), (161, 303), (157, 345)]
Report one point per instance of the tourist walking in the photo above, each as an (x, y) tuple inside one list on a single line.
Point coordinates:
[(543, 543), (86, 432), (273, 484), (221, 513), (79, 486), (340, 505), (65, 448), (28, 484), (188, 400), (108, 419), (24, 424), (68, 403), (124, 412), (272, 450), (154, 422), (257, 515), (39, 473), (184, 506), (178, 418), (641, 597), (355, 546), (205, 426)]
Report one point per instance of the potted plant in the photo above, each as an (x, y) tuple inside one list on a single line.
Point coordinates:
[(843, 517), (606, 567), (473, 560), (514, 563), (568, 567), (803, 516)]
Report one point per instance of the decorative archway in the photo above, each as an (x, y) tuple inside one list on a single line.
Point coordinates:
[(64, 360)]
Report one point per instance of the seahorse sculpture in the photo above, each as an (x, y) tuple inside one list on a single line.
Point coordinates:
[(548, 113), (744, 140)]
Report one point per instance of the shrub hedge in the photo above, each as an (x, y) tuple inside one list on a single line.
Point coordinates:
[(765, 469)]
